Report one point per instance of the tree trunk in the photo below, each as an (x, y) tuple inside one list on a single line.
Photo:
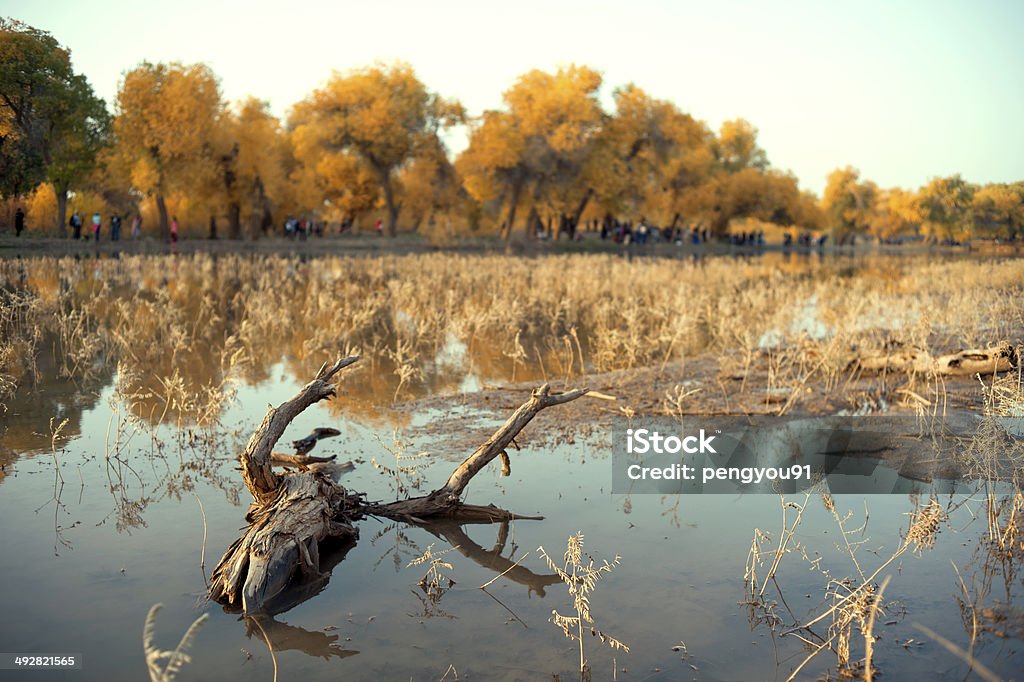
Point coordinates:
[(513, 203), (62, 212), (234, 220), (165, 228), (582, 207), (384, 175), (258, 207), (294, 513), (533, 220)]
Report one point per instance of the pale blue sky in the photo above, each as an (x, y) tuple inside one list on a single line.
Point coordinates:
[(902, 90)]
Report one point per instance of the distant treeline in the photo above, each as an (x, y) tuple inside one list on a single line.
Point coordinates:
[(368, 146)]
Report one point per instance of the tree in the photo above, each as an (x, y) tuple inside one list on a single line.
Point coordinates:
[(848, 203), (166, 118), (645, 155), (52, 126), (769, 196), (383, 115), (945, 205), (429, 186), (543, 140), (493, 167), (998, 209), (736, 147), (895, 213), (342, 183), (248, 152)]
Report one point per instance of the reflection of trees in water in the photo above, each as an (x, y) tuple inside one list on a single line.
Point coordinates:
[(423, 323), (48, 394), (180, 328), (173, 467)]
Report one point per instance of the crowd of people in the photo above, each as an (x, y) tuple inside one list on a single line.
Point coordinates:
[(609, 229), (76, 224)]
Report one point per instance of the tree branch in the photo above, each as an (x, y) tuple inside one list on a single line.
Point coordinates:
[(257, 460)]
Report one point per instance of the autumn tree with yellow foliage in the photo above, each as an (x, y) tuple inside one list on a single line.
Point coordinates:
[(945, 204), (167, 117), (998, 210), (382, 115), (848, 203), (540, 144), (896, 213), (250, 152)]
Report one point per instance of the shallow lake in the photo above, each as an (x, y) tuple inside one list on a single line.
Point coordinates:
[(121, 511)]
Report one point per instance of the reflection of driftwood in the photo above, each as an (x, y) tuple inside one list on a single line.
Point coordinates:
[(294, 513), (286, 637), (452, 533), (898, 358)]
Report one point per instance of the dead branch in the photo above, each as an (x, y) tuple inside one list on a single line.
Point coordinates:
[(445, 501), (300, 461), (295, 513), (257, 473), (898, 358)]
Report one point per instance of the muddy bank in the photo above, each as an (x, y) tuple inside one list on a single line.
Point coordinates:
[(702, 386)]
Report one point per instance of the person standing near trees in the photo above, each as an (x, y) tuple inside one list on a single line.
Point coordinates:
[(19, 222), (136, 226), (76, 226), (115, 227), (96, 225), (174, 229)]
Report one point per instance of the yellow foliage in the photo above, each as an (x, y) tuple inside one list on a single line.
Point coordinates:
[(382, 116), (848, 204), (42, 207), (896, 213)]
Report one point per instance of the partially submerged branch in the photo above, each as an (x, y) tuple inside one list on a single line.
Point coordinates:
[(294, 513), (445, 501)]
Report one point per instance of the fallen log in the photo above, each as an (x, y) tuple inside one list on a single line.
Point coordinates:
[(296, 512), (899, 358)]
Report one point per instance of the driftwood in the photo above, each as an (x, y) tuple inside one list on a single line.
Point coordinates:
[(899, 358), (296, 515)]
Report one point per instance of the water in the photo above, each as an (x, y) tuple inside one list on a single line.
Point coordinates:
[(85, 559)]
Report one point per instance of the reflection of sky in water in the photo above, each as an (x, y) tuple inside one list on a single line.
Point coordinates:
[(681, 576)]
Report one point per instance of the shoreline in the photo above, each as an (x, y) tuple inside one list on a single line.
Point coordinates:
[(372, 245)]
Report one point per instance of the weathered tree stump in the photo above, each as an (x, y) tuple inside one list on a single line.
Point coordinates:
[(295, 512)]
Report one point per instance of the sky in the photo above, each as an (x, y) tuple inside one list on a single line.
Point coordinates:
[(903, 90)]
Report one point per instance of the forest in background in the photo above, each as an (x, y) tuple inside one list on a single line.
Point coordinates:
[(368, 145)]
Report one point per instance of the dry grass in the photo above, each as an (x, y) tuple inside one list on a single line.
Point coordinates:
[(164, 666), (853, 601), (435, 582), (581, 577), (417, 316)]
